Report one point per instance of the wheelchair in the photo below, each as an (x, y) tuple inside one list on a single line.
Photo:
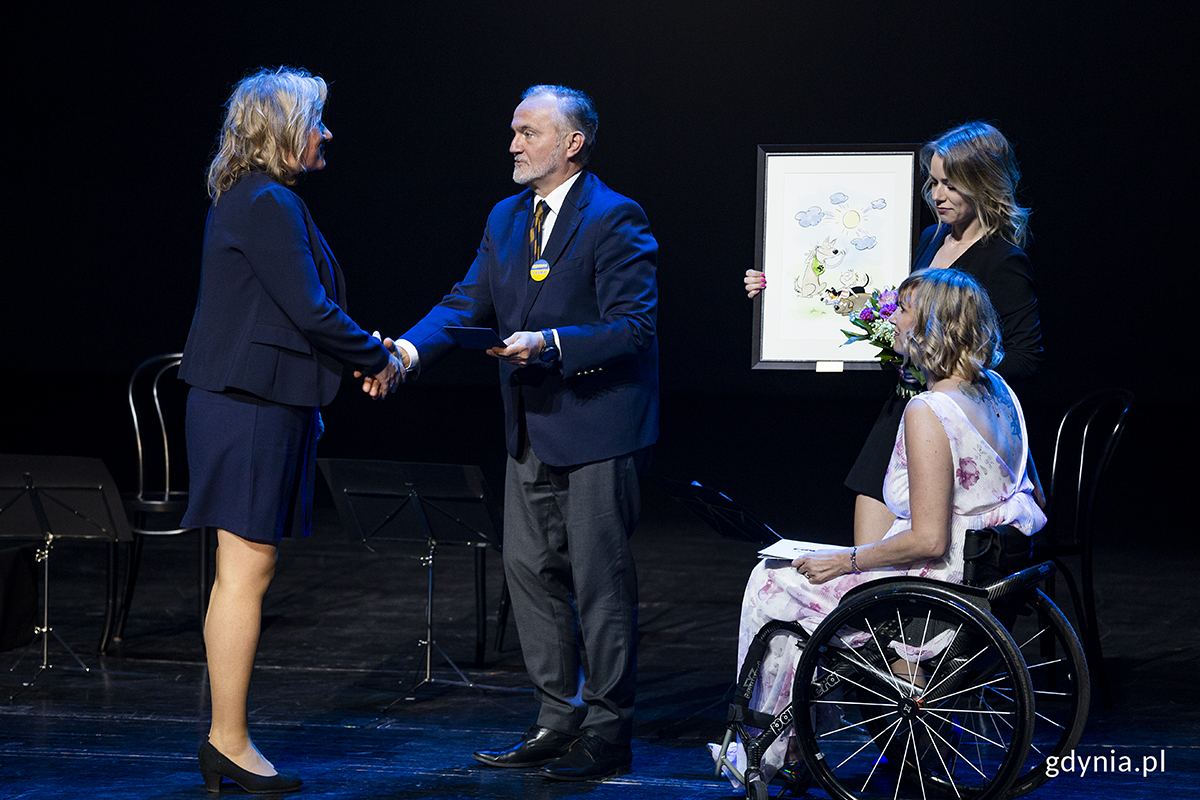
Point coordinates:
[(994, 683)]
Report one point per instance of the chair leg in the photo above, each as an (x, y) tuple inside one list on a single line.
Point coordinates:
[(135, 561), (480, 604), (1085, 614), (110, 604), (1094, 650)]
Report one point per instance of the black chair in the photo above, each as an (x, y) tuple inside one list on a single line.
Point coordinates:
[(1083, 448), (157, 507)]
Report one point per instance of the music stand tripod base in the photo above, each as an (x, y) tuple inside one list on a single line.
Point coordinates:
[(45, 630)]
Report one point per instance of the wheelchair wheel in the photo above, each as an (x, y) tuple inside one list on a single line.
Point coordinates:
[(756, 787), (960, 727), (1061, 689)]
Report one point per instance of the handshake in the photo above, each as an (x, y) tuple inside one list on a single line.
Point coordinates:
[(520, 349), (386, 381)]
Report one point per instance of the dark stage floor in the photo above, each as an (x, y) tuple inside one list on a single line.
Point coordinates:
[(331, 695)]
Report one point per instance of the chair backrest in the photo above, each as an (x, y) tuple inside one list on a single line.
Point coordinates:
[(155, 430), (1083, 448)]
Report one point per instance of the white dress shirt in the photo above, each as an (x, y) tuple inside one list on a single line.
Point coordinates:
[(554, 202)]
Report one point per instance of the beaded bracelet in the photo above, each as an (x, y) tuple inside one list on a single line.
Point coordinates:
[(854, 560)]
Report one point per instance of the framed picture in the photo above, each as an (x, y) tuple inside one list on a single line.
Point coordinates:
[(835, 223)]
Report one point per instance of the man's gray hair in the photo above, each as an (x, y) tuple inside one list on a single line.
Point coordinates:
[(574, 112)]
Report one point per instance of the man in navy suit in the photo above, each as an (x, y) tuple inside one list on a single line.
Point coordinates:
[(566, 270)]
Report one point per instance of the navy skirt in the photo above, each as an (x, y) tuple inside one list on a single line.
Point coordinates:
[(252, 465)]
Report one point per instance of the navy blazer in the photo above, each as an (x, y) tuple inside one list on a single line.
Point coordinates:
[(269, 319), (601, 399)]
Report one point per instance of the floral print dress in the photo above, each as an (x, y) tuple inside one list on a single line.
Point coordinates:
[(987, 491)]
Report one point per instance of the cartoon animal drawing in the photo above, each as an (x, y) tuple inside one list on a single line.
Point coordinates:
[(825, 256), (853, 295)]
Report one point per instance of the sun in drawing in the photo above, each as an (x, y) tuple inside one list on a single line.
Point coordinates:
[(851, 219)]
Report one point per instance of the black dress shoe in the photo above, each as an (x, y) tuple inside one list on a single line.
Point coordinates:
[(214, 767), (538, 746), (590, 759)]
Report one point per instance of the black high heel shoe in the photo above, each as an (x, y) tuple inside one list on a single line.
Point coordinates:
[(214, 767)]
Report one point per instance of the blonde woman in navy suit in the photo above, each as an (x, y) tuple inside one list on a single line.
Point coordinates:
[(266, 350)]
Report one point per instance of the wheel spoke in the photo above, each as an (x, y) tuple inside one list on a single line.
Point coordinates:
[(852, 655), (987, 684), (957, 669), (978, 736), (960, 754), (933, 682), (945, 767), (856, 725), (873, 740), (1031, 638), (1032, 667), (1044, 718)]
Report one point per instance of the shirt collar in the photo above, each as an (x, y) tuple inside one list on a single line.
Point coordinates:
[(557, 197)]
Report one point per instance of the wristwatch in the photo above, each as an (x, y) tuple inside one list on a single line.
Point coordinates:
[(549, 350)]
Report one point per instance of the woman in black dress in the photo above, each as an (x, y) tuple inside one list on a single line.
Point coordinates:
[(268, 341), (971, 177)]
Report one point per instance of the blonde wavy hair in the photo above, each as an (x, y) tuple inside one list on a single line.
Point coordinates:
[(269, 117), (955, 330), (981, 165)]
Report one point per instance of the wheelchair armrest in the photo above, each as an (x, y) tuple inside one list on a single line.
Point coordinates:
[(1030, 576)]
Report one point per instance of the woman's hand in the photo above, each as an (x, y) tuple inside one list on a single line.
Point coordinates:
[(824, 565), (908, 376), (386, 381), (381, 385), (755, 282)]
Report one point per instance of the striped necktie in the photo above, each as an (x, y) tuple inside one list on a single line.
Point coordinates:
[(535, 231)]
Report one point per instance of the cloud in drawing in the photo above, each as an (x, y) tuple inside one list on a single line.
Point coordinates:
[(809, 218)]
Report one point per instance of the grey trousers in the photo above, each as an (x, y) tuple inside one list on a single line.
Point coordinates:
[(572, 580)]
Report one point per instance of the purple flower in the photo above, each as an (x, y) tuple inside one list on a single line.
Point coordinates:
[(967, 473), (888, 296), (887, 309), (867, 314)]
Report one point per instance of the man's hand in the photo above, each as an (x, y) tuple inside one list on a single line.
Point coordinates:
[(523, 347), (385, 382)]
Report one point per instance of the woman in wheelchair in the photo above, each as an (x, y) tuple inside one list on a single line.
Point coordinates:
[(960, 462)]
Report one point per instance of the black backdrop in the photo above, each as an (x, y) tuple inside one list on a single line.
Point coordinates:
[(112, 118)]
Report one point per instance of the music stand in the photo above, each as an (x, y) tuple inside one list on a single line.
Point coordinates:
[(381, 501), (60, 497), (722, 514)]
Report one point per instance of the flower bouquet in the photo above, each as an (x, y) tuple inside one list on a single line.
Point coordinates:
[(876, 328)]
